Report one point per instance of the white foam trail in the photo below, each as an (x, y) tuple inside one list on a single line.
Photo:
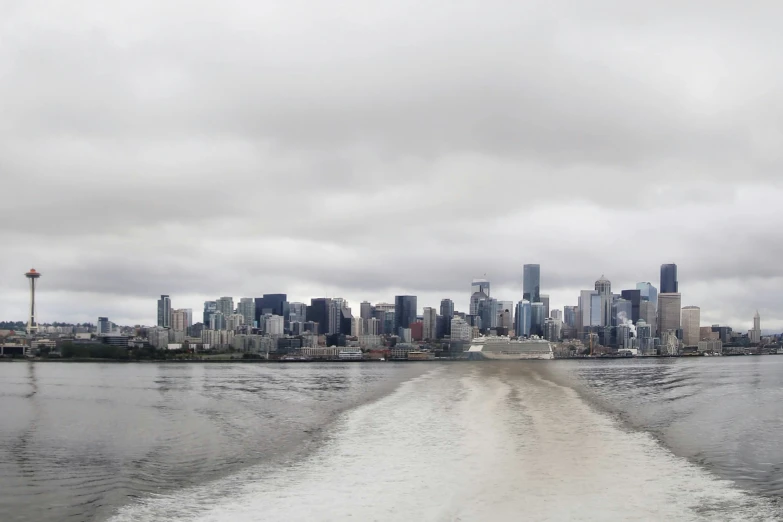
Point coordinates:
[(469, 443)]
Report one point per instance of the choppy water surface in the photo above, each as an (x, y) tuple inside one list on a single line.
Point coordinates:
[(578, 440)]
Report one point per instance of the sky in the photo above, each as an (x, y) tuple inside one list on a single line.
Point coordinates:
[(364, 149)]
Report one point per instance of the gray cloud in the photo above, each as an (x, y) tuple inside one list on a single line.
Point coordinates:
[(203, 149)]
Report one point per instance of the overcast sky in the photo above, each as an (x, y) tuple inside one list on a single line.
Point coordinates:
[(364, 149)]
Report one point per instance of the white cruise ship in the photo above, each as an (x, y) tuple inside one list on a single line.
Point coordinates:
[(503, 348)]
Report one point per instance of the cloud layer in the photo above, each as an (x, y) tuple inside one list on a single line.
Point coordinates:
[(363, 149)]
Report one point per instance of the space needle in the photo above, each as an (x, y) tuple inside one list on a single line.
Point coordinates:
[(32, 325)]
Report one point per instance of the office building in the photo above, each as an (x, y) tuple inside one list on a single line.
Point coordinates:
[(210, 307), (585, 309), (225, 305), (366, 310), (164, 311), (552, 329), (461, 330), (447, 312), (430, 323), (479, 290), (691, 324), (404, 311), (648, 293), (621, 311), (297, 312), (179, 320), (545, 300), (275, 304), (217, 321), (604, 289), (649, 313), (234, 321), (669, 283), (523, 319), (505, 315), (635, 297), (247, 307), (669, 310), (556, 315), (570, 316), (537, 319), (531, 283), (104, 326), (755, 334), (318, 312), (488, 311)]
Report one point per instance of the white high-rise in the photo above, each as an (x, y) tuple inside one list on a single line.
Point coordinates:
[(691, 322), (755, 334)]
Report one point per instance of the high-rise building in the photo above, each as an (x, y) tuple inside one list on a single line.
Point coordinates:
[(669, 313), (273, 324), (523, 318), (531, 283), (461, 330), (297, 312), (669, 283), (505, 315), (247, 307), (545, 300), (318, 312), (179, 320), (649, 314), (556, 315), (604, 289), (365, 310), (552, 329), (164, 311), (691, 324), (755, 333), (234, 321), (569, 315), (210, 307), (430, 323), (275, 304), (225, 305), (648, 293), (479, 290), (635, 297), (104, 326), (621, 312), (585, 309), (404, 311), (488, 311), (447, 312), (217, 321), (537, 319)]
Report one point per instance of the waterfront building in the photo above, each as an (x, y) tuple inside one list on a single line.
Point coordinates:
[(404, 311), (531, 283), (710, 346), (669, 284), (669, 312), (164, 311), (523, 318), (648, 293), (430, 323), (604, 289), (691, 324), (461, 330)]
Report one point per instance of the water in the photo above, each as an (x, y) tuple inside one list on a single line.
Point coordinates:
[(580, 440)]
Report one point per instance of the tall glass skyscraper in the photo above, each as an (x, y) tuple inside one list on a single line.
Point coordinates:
[(669, 279), (648, 292), (537, 319), (404, 311), (523, 318), (531, 283)]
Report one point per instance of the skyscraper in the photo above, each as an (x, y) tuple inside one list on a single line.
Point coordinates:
[(669, 279), (164, 311), (585, 309), (297, 312), (635, 297), (648, 292), (621, 312), (755, 333), (545, 300), (179, 320), (531, 283), (523, 318), (649, 314), (430, 323), (404, 311), (247, 308), (669, 312), (447, 312), (104, 326), (488, 311), (210, 307), (479, 290), (537, 319), (275, 304), (691, 324), (318, 312), (505, 314), (225, 305), (365, 310), (569, 316), (604, 289)]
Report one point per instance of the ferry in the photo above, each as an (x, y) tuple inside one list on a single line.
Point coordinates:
[(505, 348)]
